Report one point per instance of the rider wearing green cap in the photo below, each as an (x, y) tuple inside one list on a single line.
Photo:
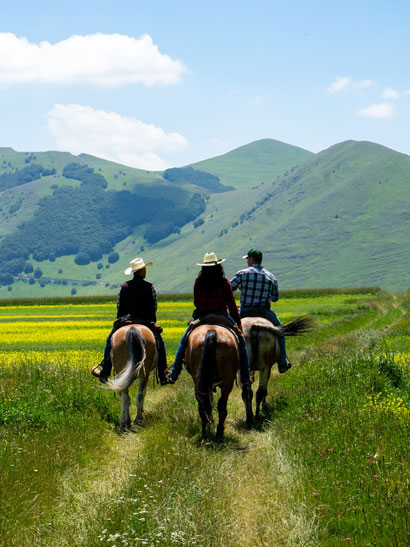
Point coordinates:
[(259, 287)]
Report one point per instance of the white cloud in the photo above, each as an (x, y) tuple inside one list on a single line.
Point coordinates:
[(379, 111), (364, 83), (109, 135), (99, 59), (338, 84), (390, 93)]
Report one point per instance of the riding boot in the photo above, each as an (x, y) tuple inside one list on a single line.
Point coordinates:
[(283, 364), (105, 371)]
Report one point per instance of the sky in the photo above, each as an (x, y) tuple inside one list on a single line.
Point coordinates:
[(155, 84)]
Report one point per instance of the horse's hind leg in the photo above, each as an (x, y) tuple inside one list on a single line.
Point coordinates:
[(222, 412), (140, 398), (262, 390), (247, 395), (206, 425), (125, 421)]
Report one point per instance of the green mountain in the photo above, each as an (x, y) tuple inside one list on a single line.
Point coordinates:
[(257, 162), (340, 219), (66, 220), (335, 219)]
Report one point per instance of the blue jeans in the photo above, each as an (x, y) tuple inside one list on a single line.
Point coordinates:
[(273, 318), (180, 354)]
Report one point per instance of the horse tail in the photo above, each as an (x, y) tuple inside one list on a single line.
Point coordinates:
[(205, 375), (136, 358), (298, 326)]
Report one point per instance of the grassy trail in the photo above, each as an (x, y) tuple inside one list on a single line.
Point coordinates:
[(160, 485), (246, 487), (254, 498)]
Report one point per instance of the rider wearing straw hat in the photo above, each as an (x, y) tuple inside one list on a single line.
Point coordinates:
[(137, 299), (212, 295)]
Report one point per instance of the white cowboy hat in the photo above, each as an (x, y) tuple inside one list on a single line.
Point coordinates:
[(211, 260), (137, 264)]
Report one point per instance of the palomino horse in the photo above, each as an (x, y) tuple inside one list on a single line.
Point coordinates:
[(263, 348), (212, 359), (134, 355)]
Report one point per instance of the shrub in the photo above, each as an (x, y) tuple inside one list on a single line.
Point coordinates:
[(6, 278), (82, 259), (38, 272), (113, 257), (28, 267)]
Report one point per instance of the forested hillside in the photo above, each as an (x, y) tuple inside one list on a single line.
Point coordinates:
[(72, 224)]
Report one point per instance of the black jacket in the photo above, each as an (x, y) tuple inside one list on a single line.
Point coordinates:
[(138, 299)]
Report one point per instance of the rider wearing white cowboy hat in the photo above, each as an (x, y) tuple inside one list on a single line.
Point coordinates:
[(137, 299), (212, 295)]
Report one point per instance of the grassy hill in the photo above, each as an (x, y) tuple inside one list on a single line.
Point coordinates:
[(339, 219), (257, 162)]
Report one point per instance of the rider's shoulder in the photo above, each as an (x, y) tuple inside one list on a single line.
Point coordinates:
[(242, 272), (269, 274)]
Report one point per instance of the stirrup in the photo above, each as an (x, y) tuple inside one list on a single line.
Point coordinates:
[(94, 371)]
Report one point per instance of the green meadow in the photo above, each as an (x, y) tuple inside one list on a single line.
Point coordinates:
[(327, 464)]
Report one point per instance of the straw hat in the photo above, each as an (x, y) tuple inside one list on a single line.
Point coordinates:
[(211, 260), (136, 264)]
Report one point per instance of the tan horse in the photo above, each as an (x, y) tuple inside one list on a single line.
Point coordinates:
[(212, 359), (134, 355), (262, 340)]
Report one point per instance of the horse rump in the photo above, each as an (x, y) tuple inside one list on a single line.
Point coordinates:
[(136, 358)]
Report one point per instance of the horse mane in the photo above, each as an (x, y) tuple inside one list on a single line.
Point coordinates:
[(206, 373)]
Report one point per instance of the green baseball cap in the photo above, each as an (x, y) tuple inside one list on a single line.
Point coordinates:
[(254, 253)]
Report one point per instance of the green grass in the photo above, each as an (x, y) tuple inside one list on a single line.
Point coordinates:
[(328, 462)]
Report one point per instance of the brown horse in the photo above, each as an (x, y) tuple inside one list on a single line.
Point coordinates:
[(134, 355), (262, 339), (212, 359)]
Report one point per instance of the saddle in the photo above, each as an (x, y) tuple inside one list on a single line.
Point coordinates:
[(124, 321), (218, 320)]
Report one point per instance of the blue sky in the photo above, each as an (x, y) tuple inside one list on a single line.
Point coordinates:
[(154, 83)]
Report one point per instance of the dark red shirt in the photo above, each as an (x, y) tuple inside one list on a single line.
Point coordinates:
[(219, 299)]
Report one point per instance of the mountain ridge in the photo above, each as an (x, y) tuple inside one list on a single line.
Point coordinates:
[(339, 218)]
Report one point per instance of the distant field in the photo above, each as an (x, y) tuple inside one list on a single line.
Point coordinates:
[(329, 462)]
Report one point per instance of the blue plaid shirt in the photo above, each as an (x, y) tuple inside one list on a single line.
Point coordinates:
[(258, 286)]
